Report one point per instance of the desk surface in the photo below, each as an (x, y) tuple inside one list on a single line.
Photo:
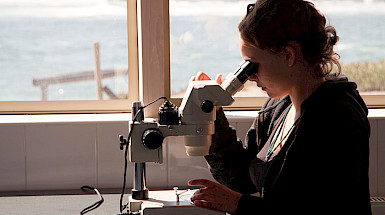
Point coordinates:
[(59, 204), (73, 204)]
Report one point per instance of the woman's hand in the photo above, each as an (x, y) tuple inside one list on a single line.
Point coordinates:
[(215, 196), (202, 76)]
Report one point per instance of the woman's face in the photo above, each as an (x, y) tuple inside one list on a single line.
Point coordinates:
[(273, 74)]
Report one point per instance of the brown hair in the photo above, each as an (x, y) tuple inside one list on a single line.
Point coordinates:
[(272, 24)]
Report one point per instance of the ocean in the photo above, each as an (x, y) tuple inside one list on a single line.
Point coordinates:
[(43, 38)]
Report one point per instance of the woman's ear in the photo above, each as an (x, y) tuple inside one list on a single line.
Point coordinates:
[(290, 55)]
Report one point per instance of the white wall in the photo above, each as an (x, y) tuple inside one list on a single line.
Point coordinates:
[(69, 151)]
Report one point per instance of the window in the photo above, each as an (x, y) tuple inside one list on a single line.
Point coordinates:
[(177, 39), (50, 52), (361, 27), (204, 38)]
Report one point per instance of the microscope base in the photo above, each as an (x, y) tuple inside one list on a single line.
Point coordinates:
[(165, 203), (139, 194)]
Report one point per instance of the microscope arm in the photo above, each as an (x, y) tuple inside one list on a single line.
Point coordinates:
[(197, 115)]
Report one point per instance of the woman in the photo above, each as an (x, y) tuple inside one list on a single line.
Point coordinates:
[(307, 152)]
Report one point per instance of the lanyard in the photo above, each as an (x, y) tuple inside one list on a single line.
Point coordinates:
[(274, 146)]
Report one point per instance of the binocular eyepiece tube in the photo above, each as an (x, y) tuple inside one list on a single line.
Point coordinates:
[(235, 80)]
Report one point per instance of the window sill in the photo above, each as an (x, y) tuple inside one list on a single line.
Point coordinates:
[(376, 114), (64, 118), (239, 116)]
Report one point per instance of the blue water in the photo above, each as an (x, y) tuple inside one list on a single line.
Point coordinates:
[(40, 47), (56, 38), (362, 38), (45, 38)]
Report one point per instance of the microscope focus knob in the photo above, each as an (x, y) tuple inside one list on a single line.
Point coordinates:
[(207, 106), (152, 138)]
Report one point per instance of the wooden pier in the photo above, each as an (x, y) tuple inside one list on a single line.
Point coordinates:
[(44, 82), (97, 76)]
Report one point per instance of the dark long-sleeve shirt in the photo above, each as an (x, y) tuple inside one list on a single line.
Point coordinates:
[(321, 169)]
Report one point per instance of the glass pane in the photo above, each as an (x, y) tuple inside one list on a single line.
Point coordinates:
[(361, 27), (204, 37), (47, 51)]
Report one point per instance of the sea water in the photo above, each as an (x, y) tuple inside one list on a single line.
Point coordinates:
[(207, 40), (43, 38)]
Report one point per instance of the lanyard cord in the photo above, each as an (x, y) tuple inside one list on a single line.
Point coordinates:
[(278, 131)]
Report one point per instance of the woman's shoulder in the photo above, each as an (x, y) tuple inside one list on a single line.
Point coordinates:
[(334, 96), (337, 104)]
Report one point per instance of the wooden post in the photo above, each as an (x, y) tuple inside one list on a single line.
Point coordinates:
[(97, 74), (133, 61), (44, 92), (155, 53)]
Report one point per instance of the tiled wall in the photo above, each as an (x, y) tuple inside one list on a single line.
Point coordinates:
[(68, 155), (377, 158)]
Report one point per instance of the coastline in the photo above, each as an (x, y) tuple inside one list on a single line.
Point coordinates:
[(369, 77)]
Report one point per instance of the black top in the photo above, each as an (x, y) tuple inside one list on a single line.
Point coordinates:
[(321, 169)]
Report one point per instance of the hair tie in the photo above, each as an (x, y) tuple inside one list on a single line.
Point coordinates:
[(333, 39)]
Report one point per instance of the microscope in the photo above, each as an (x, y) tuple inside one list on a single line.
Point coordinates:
[(194, 120)]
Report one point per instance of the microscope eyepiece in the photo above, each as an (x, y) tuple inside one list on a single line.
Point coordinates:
[(245, 69), (235, 80)]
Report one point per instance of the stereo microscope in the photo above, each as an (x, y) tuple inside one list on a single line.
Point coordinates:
[(194, 120)]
